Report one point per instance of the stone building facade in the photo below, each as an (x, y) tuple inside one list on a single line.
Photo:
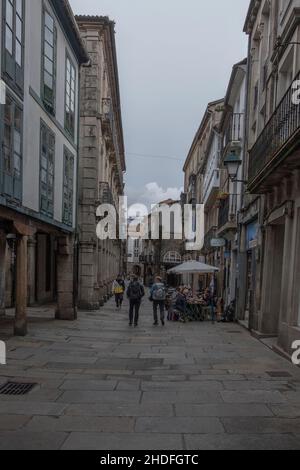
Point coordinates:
[(135, 257), (41, 51), (102, 161), (273, 169), (160, 253), (232, 131), (202, 177)]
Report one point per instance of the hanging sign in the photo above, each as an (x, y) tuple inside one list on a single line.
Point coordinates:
[(218, 243)]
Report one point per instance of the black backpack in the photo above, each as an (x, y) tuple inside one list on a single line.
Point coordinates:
[(135, 291)]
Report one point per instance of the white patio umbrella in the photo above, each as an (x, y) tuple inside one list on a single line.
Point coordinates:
[(193, 267)]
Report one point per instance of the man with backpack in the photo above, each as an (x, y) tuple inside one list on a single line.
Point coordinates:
[(158, 296), (135, 293)]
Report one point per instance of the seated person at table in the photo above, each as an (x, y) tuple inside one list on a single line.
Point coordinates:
[(181, 302)]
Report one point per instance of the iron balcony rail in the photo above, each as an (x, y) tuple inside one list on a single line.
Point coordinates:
[(282, 126), (212, 182), (234, 131), (228, 211)]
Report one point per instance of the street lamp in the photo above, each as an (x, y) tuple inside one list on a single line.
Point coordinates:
[(232, 162)]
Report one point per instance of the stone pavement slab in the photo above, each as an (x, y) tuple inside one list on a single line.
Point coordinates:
[(25, 440), (255, 396), (152, 410), (13, 422), (242, 442), (260, 425), (80, 424), (90, 385), (181, 397), (222, 410), (134, 441), (100, 397), (183, 425), (286, 411)]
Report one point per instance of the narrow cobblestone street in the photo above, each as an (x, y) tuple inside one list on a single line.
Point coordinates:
[(104, 386)]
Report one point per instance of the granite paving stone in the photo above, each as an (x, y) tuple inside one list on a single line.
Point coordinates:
[(126, 442)]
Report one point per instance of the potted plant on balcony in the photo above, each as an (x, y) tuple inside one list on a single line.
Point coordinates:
[(222, 196)]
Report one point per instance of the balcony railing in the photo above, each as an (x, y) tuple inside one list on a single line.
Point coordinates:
[(228, 211), (234, 131), (211, 184), (279, 131)]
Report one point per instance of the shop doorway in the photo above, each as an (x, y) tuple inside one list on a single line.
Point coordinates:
[(277, 271), (272, 282)]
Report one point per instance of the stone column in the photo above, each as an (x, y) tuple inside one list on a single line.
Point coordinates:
[(106, 271), (3, 248), (31, 270), (20, 327), (88, 277), (66, 309), (100, 274)]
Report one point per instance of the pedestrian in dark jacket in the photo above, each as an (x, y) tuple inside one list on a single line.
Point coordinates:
[(135, 293), (158, 295)]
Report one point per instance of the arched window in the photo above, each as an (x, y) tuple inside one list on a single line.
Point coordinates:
[(172, 257)]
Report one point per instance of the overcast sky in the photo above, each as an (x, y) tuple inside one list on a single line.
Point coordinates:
[(174, 57)]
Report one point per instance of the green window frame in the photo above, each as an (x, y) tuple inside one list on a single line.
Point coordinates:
[(12, 150), (13, 12), (49, 55), (68, 188), (70, 97), (47, 162)]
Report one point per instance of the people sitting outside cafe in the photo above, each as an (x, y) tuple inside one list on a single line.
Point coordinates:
[(185, 307)]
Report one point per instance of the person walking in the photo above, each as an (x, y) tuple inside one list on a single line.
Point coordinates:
[(135, 293), (118, 290), (158, 296)]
